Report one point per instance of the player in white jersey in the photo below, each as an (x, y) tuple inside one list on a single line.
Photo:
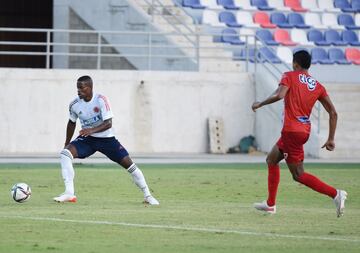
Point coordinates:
[(95, 115)]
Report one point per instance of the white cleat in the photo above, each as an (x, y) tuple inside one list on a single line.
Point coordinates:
[(263, 206), (339, 202), (151, 201), (65, 197)]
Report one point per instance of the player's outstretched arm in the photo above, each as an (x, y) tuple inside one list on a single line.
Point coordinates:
[(277, 95), (70, 129), (330, 108)]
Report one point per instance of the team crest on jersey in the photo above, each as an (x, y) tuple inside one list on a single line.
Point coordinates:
[(308, 80), (96, 109)]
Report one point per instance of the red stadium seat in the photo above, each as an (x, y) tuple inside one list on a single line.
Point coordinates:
[(283, 37), (353, 55), (263, 19), (295, 5)]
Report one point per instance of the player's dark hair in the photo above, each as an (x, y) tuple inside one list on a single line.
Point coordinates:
[(303, 58), (85, 79)]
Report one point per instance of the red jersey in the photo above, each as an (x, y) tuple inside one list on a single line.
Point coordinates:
[(303, 92)]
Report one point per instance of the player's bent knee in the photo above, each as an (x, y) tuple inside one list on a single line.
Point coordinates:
[(66, 153)]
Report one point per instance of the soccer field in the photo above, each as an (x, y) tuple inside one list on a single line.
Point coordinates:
[(203, 208)]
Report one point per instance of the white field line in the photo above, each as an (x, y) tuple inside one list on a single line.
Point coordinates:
[(185, 228)]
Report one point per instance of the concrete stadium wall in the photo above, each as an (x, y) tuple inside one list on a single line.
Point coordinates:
[(154, 111)]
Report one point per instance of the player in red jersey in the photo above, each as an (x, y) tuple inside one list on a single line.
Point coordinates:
[(300, 92)]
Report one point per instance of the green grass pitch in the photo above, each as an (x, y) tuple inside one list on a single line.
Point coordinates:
[(204, 208)]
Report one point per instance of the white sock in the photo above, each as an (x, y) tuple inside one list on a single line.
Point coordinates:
[(67, 170), (139, 179)]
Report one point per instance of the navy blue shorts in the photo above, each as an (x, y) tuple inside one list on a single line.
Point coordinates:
[(111, 147)]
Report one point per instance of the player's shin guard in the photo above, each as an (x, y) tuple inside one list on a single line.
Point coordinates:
[(139, 179), (317, 185), (273, 183), (67, 170)]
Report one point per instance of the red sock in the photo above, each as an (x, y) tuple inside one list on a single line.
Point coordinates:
[(273, 182), (317, 185)]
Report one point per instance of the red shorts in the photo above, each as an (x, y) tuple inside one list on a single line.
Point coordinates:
[(292, 146)]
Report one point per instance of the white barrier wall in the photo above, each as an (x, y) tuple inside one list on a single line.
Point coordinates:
[(154, 111)]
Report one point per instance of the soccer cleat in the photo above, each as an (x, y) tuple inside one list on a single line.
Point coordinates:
[(339, 201), (65, 197), (263, 206), (151, 201)]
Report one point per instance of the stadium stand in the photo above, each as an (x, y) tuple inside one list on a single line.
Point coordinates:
[(231, 36), (347, 21), (228, 4), (319, 55), (229, 19), (279, 19), (299, 36), (338, 56), (353, 55), (313, 19), (211, 18), (295, 5), (261, 5), (350, 37), (267, 37), (282, 36), (262, 18)]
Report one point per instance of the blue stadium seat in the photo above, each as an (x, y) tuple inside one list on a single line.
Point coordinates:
[(344, 5), (229, 19), (241, 55), (267, 55), (195, 4), (228, 4), (355, 4), (334, 38), (317, 37), (261, 5), (295, 19), (347, 21), (338, 56), (279, 19), (266, 37), (350, 37), (319, 55), (229, 35)]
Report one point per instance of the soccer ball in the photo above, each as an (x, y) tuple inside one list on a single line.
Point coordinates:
[(20, 192)]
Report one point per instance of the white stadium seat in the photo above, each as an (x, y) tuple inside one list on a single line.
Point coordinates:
[(211, 4), (285, 54), (211, 18), (245, 18), (244, 4), (311, 5), (357, 19), (314, 20), (251, 39), (299, 36), (278, 5), (330, 20), (328, 5)]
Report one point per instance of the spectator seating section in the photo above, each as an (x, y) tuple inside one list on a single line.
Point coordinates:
[(317, 37), (355, 4), (279, 19), (353, 55), (299, 36), (261, 5), (330, 20), (195, 4), (266, 37), (210, 17), (334, 38), (279, 5), (328, 6), (244, 4), (267, 55), (285, 54), (350, 37), (230, 35), (244, 18), (313, 19), (311, 5), (343, 5), (295, 5), (357, 19), (282, 36), (296, 20), (263, 20), (211, 4), (228, 4), (243, 54), (229, 19), (337, 55), (319, 55), (347, 21)]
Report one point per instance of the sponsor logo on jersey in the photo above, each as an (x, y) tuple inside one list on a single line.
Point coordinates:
[(96, 109), (308, 80), (91, 121)]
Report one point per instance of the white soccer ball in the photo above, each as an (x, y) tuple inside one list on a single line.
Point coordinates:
[(21, 192)]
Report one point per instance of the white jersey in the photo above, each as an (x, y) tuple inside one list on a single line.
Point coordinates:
[(92, 113)]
